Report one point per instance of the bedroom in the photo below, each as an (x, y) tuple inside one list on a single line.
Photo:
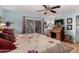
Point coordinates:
[(26, 22)]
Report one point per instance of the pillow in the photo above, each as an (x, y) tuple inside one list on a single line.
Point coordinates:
[(6, 45), (9, 32), (7, 37)]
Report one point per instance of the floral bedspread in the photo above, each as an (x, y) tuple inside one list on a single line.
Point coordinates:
[(37, 43)]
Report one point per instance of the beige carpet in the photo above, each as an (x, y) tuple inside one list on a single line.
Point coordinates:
[(68, 47), (71, 47), (76, 48)]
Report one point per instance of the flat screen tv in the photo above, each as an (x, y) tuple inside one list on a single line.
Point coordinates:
[(59, 22)]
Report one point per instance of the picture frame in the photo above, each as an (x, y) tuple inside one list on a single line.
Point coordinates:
[(69, 20), (69, 27)]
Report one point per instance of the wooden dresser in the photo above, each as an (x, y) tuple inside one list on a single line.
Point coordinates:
[(57, 32)]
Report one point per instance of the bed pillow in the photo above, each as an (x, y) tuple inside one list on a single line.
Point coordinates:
[(9, 32), (7, 37), (6, 45)]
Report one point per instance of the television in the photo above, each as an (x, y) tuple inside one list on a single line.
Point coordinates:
[(59, 22)]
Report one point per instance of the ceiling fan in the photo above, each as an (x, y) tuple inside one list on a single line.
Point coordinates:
[(48, 8)]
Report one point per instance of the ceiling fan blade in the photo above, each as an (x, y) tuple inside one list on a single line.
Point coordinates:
[(44, 6), (40, 10), (53, 11), (55, 7)]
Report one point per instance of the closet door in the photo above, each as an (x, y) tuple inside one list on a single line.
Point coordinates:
[(38, 26), (30, 26)]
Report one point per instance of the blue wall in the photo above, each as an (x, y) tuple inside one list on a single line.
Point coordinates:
[(2, 12), (17, 18)]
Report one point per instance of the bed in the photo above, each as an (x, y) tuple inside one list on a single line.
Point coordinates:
[(37, 43)]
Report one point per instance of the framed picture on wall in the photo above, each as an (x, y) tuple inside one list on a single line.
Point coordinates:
[(69, 27), (69, 20)]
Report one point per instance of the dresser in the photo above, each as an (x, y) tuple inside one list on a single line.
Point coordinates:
[(57, 32)]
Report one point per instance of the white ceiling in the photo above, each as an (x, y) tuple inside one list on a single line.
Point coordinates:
[(34, 8)]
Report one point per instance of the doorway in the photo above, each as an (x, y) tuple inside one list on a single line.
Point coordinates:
[(77, 28)]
